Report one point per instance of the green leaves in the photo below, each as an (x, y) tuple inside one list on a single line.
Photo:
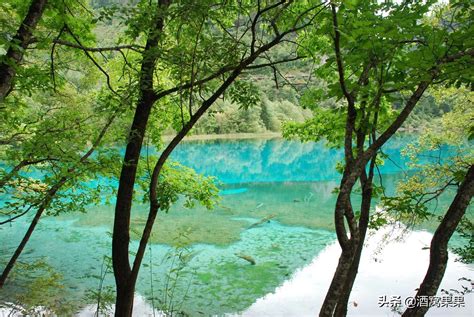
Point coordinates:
[(407, 207), (466, 249), (327, 124), (179, 181), (245, 94)]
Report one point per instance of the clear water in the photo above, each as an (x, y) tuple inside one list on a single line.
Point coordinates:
[(287, 181)]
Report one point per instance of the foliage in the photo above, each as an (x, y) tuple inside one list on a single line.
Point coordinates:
[(398, 53), (46, 139), (244, 93), (41, 287), (437, 173), (178, 276), (465, 230), (178, 181), (327, 124), (104, 295)]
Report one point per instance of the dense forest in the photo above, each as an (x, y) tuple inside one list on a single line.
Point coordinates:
[(368, 106)]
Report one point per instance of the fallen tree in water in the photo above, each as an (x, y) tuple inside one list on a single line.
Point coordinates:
[(261, 221), (247, 258)]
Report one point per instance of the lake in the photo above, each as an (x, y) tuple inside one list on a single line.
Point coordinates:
[(196, 262)]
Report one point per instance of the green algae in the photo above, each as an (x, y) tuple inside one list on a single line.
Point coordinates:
[(233, 286), (198, 226), (294, 204)]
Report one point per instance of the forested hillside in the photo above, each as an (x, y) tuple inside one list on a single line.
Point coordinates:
[(279, 92)]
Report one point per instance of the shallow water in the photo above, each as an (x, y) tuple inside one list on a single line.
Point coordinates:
[(288, 182)]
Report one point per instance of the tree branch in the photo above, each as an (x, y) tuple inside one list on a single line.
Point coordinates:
[(136, 48)]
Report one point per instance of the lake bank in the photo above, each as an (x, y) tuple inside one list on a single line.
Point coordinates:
[(259, 135), (230, 136)]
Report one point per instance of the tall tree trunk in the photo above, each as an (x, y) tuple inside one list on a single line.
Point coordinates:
[(121, 231), (348, 246), (366, 182), (121, 236), (439, 243), (337, 283), (18, 44), (343, 210)]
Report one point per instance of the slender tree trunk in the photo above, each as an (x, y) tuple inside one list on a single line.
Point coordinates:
[(337, 283), (343, 209), (47, 200), (121, 236), (121, 232), (346, 271), (18, 44), (343, 301), (29, 232), (124, 301), (439, 243), (348, 246)]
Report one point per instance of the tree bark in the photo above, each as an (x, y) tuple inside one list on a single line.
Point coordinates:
[(348, 245), (18, 44), (439, 243), (121, 230), (366, 182), (337, 283)]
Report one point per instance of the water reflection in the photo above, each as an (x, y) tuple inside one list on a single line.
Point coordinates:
[(396, 269), (276, 160), (288, 180)]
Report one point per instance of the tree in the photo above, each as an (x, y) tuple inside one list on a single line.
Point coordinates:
[(49, 145), (435, 179), (57, 149), (245, 32), (382, 53), (17, 46)]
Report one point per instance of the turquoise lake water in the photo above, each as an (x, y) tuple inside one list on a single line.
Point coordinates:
[(287, 181)]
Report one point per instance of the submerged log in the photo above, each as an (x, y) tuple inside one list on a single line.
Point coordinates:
[(247, 258), (263, 220)]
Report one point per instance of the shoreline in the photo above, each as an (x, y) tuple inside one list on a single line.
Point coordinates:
[(233, 136), (247, 136)]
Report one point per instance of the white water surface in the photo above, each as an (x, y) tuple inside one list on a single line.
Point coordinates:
[(387, 268)]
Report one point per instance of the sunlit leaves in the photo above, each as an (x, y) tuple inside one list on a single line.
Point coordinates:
[(327, 124), (438, 173), (179, 181)]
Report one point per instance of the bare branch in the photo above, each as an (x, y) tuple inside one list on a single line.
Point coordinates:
[(136, 48), (11, 219), (270, 64), (92, 59)]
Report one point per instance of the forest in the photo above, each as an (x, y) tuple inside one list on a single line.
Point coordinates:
[(236, 158)]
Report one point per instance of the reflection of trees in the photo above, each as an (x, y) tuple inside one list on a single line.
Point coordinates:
[(260, 160), (324, 191), (274, 160)]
